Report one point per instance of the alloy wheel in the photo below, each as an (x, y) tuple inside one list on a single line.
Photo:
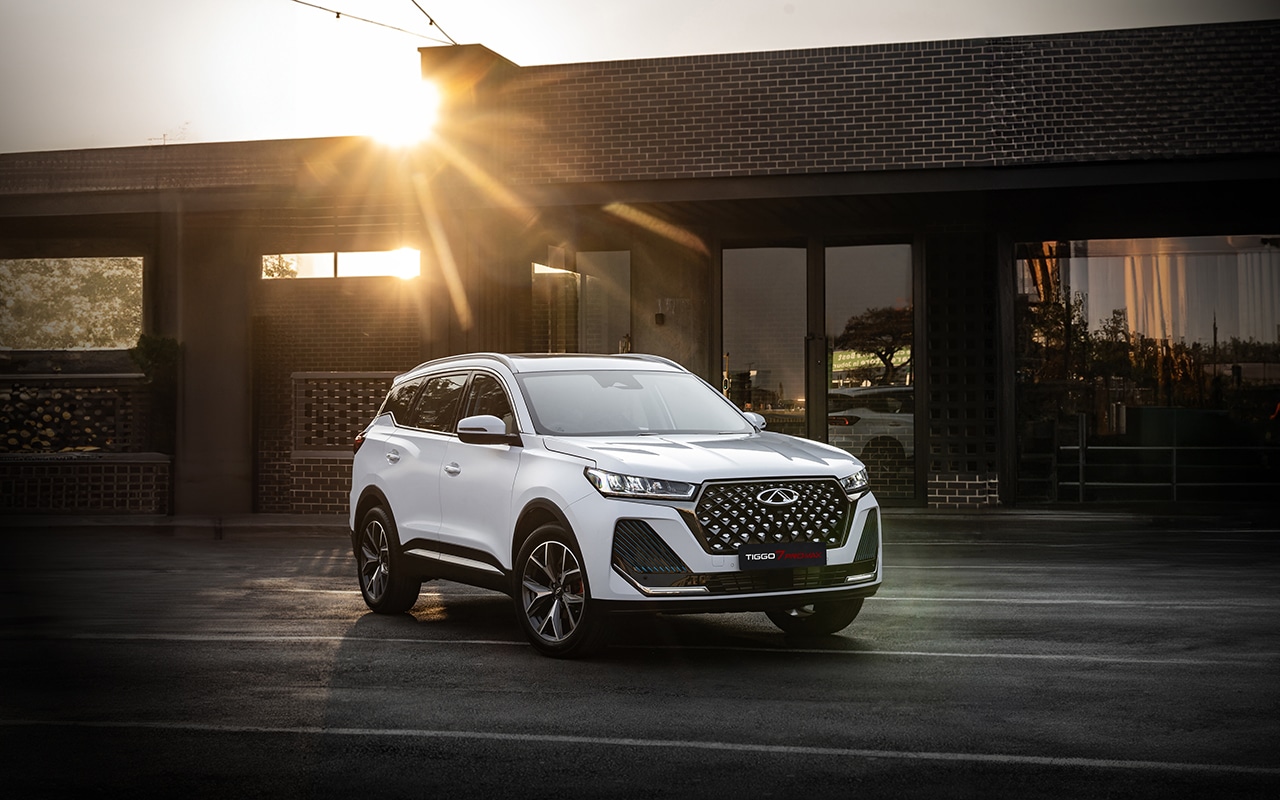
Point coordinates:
[(552, 591), (375, 558)]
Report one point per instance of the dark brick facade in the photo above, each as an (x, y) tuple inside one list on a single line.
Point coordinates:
[(321, 325), (1099, 96), (1158, 93), (942, 144)]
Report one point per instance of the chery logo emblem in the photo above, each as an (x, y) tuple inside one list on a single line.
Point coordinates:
[(778, 497)]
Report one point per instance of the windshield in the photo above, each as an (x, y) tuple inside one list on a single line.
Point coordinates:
[(611, 402)]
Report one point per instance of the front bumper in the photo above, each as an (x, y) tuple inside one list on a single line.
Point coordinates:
[(645, 557)]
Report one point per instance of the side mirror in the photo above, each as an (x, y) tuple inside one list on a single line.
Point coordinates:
[(486, 429), (757, 421)]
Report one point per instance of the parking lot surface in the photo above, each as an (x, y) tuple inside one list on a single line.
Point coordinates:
[(1046, 655)]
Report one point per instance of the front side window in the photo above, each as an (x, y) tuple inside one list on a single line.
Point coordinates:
[(488, 397), (438, 406), (613, 402)]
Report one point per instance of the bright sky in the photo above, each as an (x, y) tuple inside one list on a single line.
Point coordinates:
[(103, 73)]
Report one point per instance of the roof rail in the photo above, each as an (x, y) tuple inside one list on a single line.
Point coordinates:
[(651, 357), (509, 360), (499, 357)]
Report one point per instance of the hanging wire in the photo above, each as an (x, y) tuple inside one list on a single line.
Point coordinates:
[(341, 14), (434, 24)]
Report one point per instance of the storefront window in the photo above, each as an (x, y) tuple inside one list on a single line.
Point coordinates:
[(764, 330), (1148, 369), (71, 303), (585, 306), (871, 391), (403, 263)]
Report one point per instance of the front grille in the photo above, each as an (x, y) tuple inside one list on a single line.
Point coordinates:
[(730, 515)]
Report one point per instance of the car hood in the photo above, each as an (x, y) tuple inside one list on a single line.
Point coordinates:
[(694, 458)]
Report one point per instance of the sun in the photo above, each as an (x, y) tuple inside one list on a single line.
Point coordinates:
[(405, 114)]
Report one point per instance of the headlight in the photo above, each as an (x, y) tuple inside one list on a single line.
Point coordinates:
[(855, 483), (611, 484)]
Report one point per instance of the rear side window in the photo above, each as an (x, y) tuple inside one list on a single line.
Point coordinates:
[(438, 407), (400, 400)]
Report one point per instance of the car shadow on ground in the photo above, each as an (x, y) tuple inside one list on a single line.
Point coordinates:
[(450, 613)]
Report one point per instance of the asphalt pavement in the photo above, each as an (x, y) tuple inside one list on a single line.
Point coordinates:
[(1058, 653)]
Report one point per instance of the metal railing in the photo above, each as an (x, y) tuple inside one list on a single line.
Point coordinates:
[(1171, 472)]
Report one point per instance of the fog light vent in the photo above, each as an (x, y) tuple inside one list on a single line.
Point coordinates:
[(638, 550), (869, 544)]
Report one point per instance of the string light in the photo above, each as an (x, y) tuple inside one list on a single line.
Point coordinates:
[(433, 22), (340, 14)]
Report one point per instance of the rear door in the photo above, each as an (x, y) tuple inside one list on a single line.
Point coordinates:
[(414, 453)]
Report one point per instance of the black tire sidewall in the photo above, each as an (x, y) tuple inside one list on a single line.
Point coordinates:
[(402, 589), (589, 634)]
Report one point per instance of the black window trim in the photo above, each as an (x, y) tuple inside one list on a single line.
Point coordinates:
[(413, 408), (413, 403), (471, 396)]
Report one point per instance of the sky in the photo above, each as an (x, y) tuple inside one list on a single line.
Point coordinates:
[(109, 73)]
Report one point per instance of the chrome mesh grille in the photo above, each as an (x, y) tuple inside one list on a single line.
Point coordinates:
[(730, 515)]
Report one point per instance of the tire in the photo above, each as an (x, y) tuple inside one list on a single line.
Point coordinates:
[(816, 619), (385, 584), (553, 597)]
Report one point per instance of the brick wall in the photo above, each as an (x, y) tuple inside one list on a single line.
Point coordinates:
[(960, 320), (85, 483), (320, 485), (76, 443), (321, 325), (956, 491), (1154, 93), (1151, 93)]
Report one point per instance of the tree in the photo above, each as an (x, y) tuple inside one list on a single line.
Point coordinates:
[(279, 266), (71, 303), (883, 332)]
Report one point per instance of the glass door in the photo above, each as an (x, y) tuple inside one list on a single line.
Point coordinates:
[(582, 302), (866, 402), (764, 334), (871, 398)]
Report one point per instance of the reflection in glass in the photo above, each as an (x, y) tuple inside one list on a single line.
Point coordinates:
[(1148, 369), (586, 309), (764, 330), (870, 333)]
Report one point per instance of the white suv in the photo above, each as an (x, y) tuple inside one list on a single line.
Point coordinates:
[(587, 485)]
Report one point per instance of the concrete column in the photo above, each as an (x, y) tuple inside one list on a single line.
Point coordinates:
[(213, 466)]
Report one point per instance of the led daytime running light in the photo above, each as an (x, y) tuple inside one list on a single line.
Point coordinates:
[(855, 483), (612, 484)]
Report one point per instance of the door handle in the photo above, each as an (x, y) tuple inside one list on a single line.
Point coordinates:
[(452, 469), (393, 457)]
